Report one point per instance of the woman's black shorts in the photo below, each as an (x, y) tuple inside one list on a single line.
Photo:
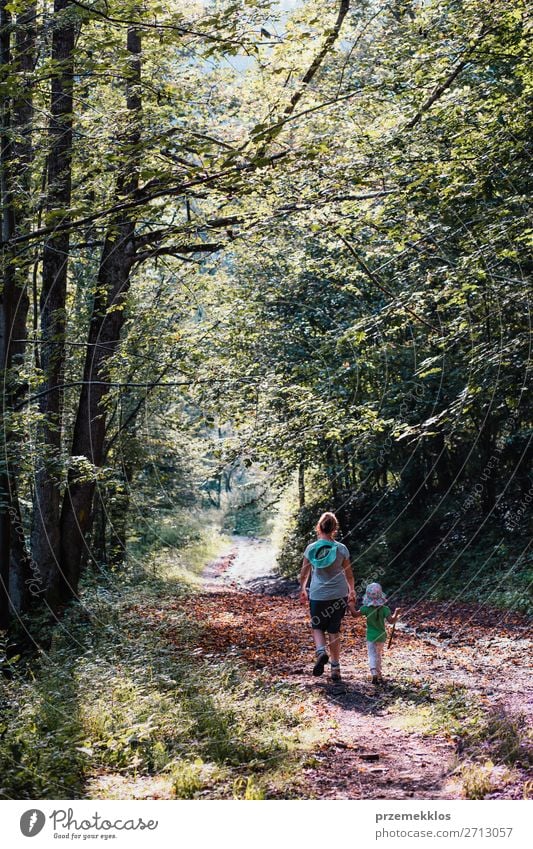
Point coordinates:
[(327, 615)]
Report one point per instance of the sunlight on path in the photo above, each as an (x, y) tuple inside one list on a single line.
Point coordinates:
[(255, 559), (401, 741)]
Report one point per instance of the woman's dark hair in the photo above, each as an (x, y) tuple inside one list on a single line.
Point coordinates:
[(327, 524)]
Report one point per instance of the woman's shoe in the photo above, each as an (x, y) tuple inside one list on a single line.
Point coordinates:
[(336, 673), (322, 659)]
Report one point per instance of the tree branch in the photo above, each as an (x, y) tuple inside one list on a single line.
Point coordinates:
[(440, 89), (319, 58), (370, 274), (177, 250), (329, 41), (144, 25), (171, 191), (111, 384)]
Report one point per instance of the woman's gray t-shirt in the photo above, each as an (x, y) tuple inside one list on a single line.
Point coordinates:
[(330, 582)]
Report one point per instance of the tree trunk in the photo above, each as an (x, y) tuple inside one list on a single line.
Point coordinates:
[(301, 485), (21, 585), (99, 535), (104, 333), (332, 473), (6, 310), (16, 158), (24, 62), (45, 531)]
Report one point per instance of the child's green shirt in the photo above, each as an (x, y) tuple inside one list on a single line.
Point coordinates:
[(375, 622)]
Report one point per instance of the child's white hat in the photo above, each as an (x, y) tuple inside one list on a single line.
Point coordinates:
[(374, 596)]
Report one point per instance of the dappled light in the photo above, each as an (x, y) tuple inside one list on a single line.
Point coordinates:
[(265, 431)]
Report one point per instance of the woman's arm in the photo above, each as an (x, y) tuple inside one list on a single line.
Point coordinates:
[(349, 577), (305, 572)]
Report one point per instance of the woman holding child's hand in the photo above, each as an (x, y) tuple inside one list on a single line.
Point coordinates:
[(331, 591)]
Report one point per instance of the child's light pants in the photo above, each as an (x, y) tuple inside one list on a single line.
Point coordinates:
[(375, 653)]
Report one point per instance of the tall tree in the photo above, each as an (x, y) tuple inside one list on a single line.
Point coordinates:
[(17, 58), (106, 323), (6, 311), (47, 495)]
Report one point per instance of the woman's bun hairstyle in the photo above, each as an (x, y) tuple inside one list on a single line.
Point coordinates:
[(327, 524)]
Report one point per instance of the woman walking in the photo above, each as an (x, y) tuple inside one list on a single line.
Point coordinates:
[(331, 591)]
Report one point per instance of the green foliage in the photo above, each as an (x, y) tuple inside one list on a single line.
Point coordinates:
[(477, 780), (119, 693), (247, 520), (331, 271), (246, 788), (188, 778), (381, 343)]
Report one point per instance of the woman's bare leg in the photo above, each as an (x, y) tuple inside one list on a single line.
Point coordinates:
[(334, 647), (320, 638)]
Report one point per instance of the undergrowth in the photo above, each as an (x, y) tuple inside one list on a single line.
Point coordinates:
[(481, 733), (489, 741), (119, 693)]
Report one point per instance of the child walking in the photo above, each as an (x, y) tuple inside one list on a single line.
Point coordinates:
[(377, 612)]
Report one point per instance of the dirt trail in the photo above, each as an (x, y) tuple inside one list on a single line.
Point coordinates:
[(372, 748)]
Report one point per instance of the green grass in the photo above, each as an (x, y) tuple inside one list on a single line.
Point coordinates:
[(489, 742), (482, 733), (479, 780), (491, 745), (176, 545), (115, 699)]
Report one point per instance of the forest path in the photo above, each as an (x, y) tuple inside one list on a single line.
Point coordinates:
[(374, 742)]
